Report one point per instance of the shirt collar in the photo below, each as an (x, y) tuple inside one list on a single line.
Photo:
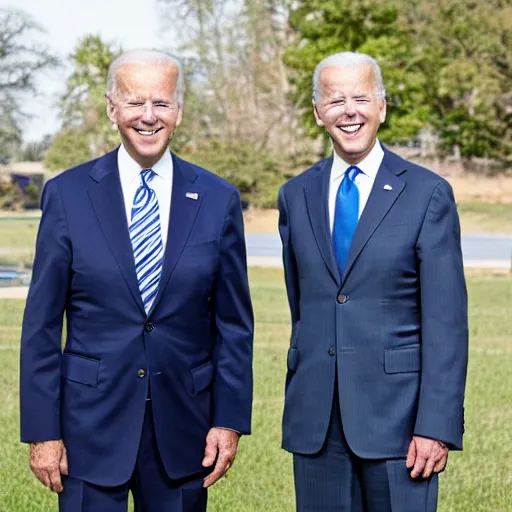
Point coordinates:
[(129, 168), (369, 165)]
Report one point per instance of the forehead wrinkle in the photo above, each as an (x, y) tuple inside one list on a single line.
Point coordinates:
[(131, 78)]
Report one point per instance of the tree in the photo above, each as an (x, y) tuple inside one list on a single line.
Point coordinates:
[(69, 148), (446, 63), (21, 59), (238, 83), (466, 51), (82, 107), (35, 151)]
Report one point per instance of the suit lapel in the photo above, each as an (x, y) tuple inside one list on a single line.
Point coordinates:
[(379, 203), (182, 217), (107, 199), (317, 192)]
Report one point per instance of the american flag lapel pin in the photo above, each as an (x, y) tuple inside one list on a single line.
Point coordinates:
[(388, 187), (192, 195)]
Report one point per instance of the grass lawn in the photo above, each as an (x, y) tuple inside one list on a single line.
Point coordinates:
[(17, 239), (481, 217), (479, 479)]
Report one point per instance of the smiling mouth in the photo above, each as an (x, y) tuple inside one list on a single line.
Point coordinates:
[(352, 128), (147, 133)]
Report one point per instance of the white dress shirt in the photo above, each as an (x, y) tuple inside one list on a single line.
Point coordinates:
[(129, 174), (364, 180)]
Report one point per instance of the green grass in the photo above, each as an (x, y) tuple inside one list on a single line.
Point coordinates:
[(17, 240), (485, 217), (478, 479)]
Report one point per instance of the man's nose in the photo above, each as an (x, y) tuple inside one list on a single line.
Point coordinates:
[(350, 108), (149, 114)]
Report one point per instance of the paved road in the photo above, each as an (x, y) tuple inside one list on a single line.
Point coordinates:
[(479, 250)]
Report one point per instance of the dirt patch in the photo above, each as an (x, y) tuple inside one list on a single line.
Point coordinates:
[(261, 221), (473, 188)]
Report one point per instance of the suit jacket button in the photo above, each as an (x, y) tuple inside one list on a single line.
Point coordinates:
[(341, 299), (331, 350), (149, 327), (141, 373)]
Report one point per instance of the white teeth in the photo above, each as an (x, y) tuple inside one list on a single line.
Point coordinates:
[(143, 132), (350, 129)]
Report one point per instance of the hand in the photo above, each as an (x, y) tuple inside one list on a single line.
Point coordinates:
[(221, 444), (48, 460), (426, 456)]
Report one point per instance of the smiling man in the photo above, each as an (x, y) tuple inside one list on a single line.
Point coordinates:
[(145, 255), (375, 282)]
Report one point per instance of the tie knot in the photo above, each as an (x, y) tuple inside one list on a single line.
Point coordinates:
[(352, 172), (147, 175)]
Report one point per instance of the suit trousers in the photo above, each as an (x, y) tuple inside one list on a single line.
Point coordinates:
[(336, 480), (152, 489)]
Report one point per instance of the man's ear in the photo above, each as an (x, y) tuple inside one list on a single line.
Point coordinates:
[(180, 115), (382, 111), (319, 121), (111, 110)]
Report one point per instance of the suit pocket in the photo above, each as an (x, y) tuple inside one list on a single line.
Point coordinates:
[(80, 369), (292, 359), (202, 377), (403, 359)]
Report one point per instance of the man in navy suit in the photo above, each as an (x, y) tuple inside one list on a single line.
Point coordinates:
[(375, 282), (144, 253)]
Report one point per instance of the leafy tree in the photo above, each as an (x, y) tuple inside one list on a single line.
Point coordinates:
[(237, 83), (87, 132), (446, 63), (69, 148), (255, 173), (21, 59), (36, 150), (466, 51)]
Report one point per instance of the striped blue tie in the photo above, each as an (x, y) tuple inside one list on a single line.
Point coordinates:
[(346, 216), (146, 237)]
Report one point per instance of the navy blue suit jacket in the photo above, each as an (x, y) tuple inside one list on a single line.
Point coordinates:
[(393, 328), (194, 346)]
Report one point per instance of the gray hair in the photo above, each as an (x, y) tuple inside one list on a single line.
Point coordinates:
[(145, 57), (349, 59)]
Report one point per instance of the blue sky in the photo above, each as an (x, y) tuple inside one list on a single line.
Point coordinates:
[(132, 24)]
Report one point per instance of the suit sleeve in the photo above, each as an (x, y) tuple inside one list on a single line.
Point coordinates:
[(444, 325), (290, 266), (233, 383), (40, 355)]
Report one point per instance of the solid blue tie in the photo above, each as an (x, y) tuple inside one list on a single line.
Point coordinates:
[(146, 237), (346, 215)]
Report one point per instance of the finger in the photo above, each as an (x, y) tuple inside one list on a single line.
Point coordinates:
[(56, 481), (220, 468), (42, 476), (210, 454), (419, 465), (441, 464), (429, 467), (63, 466), (411, 455)]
